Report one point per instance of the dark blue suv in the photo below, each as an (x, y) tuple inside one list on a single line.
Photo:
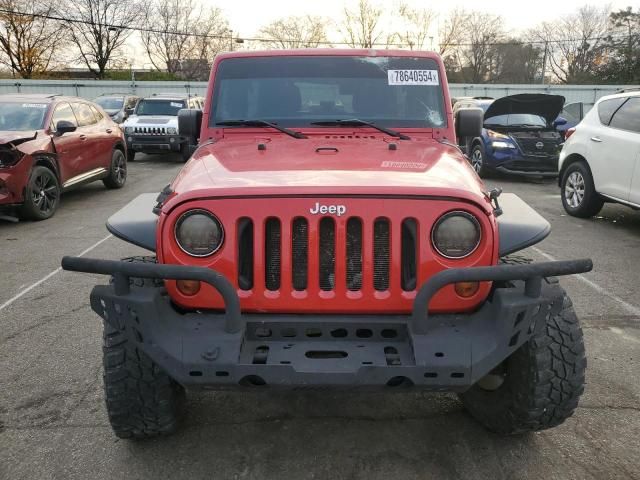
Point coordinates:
[(519, 134)]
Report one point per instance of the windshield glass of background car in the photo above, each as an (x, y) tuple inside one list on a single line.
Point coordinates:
[(110, 103), (159, 107), (516, 119), (17, 116), (297, 91)]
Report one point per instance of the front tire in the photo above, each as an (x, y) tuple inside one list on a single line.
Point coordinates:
[(131, 155), (539, 385), (477, 160), (185, 152), (42, 195), (117, 171), (578, 192)]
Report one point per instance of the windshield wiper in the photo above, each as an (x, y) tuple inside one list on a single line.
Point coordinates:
[(356, 122), (260, 123)]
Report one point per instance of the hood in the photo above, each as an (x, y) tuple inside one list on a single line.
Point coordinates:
[(16, 138), (327, 165), (546, 106), (145, 120)]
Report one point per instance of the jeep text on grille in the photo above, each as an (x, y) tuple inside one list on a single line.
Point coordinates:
[(327, 231)]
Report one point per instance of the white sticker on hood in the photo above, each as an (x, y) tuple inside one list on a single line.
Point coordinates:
[(413, 77), (176, 104)]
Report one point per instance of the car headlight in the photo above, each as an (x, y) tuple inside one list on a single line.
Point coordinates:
[(172, 130), (456, 234), (199, 233), (501, 144), (128, 129)]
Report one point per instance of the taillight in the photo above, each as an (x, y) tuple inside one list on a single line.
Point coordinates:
[(569, 132)]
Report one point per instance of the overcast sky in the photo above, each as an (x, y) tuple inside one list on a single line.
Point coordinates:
[(247, 16)]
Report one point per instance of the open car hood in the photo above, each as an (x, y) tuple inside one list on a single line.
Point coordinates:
[(547, 106)]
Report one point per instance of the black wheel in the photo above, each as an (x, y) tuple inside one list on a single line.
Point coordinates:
[(131, 155), (477, 160), (142, 400), (42, 195), (538, 387), (185, 152), (117, 171), (578, 193)]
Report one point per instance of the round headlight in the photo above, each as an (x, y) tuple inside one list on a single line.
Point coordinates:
[(128, 129), (199, 233), (172, 130), (456, 234)]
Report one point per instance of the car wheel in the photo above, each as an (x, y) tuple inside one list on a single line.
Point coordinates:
[(42, 195), (131, 155), (117, 171), (477, 160), (579, 196), (539, 385)]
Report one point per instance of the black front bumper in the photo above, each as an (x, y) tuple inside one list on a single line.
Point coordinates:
[(154, 143), (436, 352)]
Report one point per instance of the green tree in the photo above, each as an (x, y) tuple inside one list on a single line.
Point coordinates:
[(621, 57)]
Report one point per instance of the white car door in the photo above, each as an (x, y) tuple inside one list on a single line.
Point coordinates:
[(628, 117), (614, 147)]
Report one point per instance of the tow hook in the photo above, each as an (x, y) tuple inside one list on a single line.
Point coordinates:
[(493, 195)]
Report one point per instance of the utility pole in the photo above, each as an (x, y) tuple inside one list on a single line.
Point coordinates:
[(544, 61), (231, 40)]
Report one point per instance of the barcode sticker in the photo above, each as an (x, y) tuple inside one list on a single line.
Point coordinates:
[(413, 77), (176, 104), (34, 105)]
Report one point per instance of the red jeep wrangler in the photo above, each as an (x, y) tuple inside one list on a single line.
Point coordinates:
[(329, 232)]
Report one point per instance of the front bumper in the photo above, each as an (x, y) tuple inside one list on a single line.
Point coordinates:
[(226, 349), (154, 143), (515, 162)]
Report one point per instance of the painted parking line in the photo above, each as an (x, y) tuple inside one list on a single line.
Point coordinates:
[(632, 309), (49, 275)]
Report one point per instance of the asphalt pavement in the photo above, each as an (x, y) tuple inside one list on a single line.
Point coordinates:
[(53, 423)]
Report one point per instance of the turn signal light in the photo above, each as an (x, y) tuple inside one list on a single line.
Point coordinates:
[(467, 289), (188, 287)]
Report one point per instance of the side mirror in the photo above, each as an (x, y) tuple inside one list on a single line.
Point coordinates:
[(559, 122), (189, 123), (469, 122), (65, 126)]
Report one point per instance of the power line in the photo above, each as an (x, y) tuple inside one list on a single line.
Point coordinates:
[(111, 26)]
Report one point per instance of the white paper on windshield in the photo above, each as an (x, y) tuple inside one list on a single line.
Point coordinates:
[(176, 104), (34, 105), (413, 77)]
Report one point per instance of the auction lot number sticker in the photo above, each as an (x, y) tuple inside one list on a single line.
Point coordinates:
[(413, 77)]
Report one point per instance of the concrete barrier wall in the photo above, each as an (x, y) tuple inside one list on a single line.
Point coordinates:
[(92, 88)]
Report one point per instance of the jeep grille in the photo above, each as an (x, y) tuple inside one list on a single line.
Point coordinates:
[(150, 130)]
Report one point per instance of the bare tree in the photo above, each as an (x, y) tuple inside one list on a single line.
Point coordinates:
[(574, 43), (183, 35), (295, 32), (483, 32), (28, 43), (361, 26), (91, 24), (452, 32), (417, 26)]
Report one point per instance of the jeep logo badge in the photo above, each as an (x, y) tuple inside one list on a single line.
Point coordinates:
[(337, 210), (539, 145)]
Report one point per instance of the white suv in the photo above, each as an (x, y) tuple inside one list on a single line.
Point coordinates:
[(600, 160)]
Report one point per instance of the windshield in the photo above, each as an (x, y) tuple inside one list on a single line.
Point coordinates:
[(16, 116), (298, 91), (516, 119), (149, 106), (110, 103)]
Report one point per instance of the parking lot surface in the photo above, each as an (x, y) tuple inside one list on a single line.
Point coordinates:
[(53, 423)]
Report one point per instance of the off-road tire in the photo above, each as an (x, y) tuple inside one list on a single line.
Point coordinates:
[(31, 209), (131, 155), (142, 400), (591, 202), (543, 383), (117, 171), (185, 152)]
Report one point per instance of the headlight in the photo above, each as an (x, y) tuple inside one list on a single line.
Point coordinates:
[(128, 129), (500, 144), (456, 234), (199, 233), (172, 130)]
